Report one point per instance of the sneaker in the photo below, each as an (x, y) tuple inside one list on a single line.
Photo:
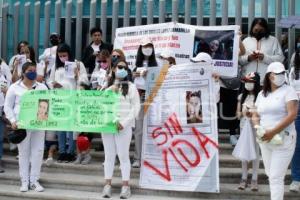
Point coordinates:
[(49, 161), (86, 159), (12, 146), (125, 192), (295, 186), (78, 159), (254, 186), (61, 157), (242, 185), (233, 140), (106, 193), (1, 167), (37, 187), (136, 164), (70, 158), (24, 187)]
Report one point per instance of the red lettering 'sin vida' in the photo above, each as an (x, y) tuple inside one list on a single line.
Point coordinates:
[(173, 128)]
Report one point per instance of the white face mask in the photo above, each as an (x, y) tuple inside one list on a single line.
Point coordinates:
[(279, 79), (147, 51), (249, 86)]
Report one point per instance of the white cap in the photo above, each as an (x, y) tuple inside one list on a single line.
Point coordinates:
[(166, 53), (276, 67), (202, 57), (145, 41)]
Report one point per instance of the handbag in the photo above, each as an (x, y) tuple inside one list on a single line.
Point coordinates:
[(16, 136)]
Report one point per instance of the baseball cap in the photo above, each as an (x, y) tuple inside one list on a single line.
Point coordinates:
[(202, 57), (276, 67)]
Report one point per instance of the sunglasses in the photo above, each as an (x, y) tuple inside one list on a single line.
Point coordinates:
[(102, 61), (121, 66)]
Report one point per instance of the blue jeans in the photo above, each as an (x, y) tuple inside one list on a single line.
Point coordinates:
[(1, 137), (296, 158), (65, 138)]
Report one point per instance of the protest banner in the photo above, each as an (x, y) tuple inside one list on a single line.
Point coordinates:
[(69, 110), (180, 140), (184, 42)]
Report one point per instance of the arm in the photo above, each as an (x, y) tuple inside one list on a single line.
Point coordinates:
[(242, 48), (238, 110), (9, 105), (292, 109), (277, 54), (82, 78), (135, 107)]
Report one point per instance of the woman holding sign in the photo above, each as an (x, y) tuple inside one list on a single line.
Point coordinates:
[(119, 143), (67, 74), (31, 149)]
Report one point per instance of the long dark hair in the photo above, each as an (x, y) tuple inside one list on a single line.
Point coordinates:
[(63, 48), (32, 54), (262, 22), (140, 58), (256, 89), (267, 84), (125, 81)]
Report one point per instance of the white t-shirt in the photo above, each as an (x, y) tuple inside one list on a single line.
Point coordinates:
[(95, 47), (272, 109)]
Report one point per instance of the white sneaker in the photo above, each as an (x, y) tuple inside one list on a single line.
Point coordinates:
[(86, 159), (106, 193), (49, 161), (125, 192), (78, 159), (24, 187), (36, 186), (12, 146), (295, 186), (233, 140), (136, 164)]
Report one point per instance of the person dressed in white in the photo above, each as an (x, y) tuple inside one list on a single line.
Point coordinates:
[(31, 149), (66, 77), (247, 148), (261, 49), (5, 81), (20, 46), (276, 110), (118, 144)]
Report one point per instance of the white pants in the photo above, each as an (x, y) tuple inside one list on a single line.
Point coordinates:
[(276, 160), (117, 144), (31, 151)]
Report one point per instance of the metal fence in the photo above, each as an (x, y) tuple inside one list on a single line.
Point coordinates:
[(109, 23)]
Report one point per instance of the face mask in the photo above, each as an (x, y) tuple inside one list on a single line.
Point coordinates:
[(249, 86), (279, 79), (103, 65), (121, 73), (63, 59), (147, 51), (31, 75), (114, 59), (259, 35), (298, 45)]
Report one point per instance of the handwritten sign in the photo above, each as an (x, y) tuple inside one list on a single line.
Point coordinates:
[(69, 110), (180, 140)]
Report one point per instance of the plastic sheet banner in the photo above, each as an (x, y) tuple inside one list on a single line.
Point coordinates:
[(69, 110), (180, 139), (183, 42)]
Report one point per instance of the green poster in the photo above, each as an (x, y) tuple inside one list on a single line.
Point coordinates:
[(69, 110)]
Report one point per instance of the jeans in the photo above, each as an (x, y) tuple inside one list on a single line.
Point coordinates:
[(63, 139), (1, 137), (296, 158)]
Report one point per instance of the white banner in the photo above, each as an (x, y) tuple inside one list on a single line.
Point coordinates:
[(184, 42), (180, 140)]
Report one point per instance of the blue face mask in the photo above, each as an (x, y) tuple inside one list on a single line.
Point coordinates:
[(298, 45), (121, 73), (31, 75), (114, 60)]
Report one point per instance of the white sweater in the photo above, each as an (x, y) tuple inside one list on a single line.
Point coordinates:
[(13, 98), (293, 82), (129, 106), (5, 76), (58, 75), (271, 49)]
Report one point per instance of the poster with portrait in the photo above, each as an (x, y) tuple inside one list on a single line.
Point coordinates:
[(184, 42), (70, 110), (180, 140)]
